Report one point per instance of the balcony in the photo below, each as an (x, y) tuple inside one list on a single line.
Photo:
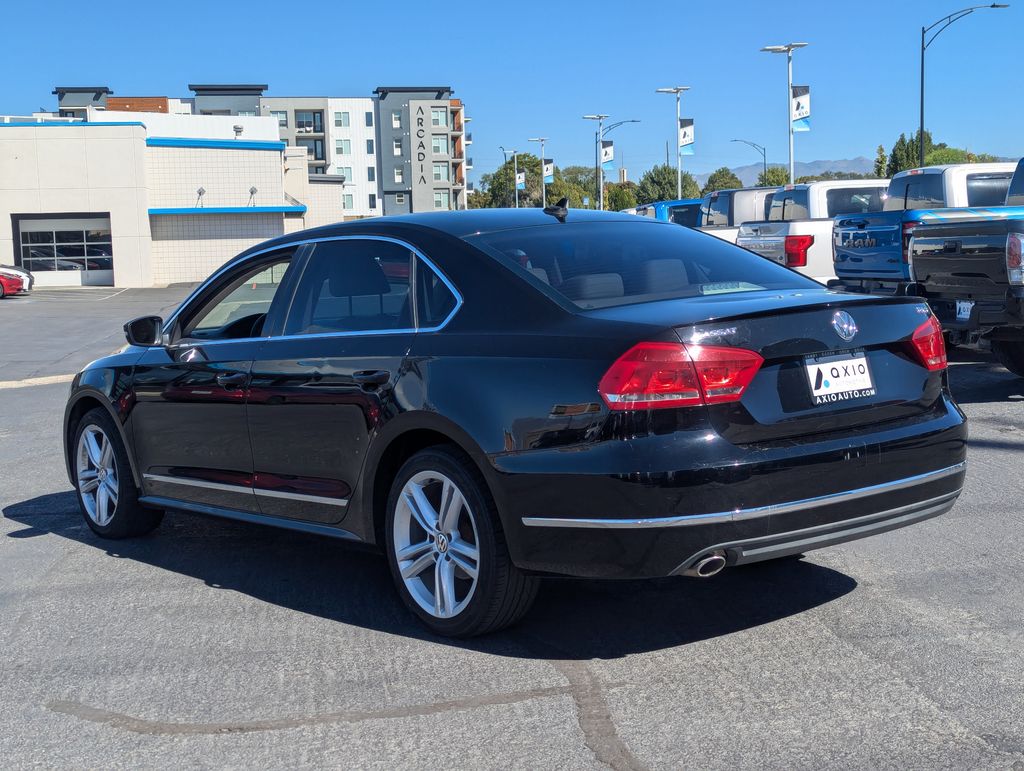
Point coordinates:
[(469, 163), (469, 139)]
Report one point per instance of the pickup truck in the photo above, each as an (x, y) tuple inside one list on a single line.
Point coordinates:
[(872, 250), (722, 212), (798, 230), (685, 211), (970, 272)]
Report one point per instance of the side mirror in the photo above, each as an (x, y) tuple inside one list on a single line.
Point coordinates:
[(145, 331)]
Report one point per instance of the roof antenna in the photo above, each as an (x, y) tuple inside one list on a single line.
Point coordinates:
[(559, 211)]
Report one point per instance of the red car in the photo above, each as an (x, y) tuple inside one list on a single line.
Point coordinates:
[(11, 283)]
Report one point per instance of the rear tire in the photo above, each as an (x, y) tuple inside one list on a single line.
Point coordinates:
[(107, 495), (1010, 354), (447, 550)]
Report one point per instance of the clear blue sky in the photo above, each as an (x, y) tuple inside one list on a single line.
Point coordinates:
[(533, 69)]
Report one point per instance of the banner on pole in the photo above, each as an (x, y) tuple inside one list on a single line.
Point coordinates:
[(548, 170), (800, 109), (686, 136), (607, 154), (521, 180)]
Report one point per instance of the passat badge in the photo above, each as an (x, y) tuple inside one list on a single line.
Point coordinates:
[(844, 325)]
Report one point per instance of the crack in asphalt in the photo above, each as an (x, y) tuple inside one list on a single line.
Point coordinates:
[(169, 728)]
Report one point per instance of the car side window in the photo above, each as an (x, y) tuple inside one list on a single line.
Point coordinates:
[(716, 213), (353, 285), (240, 308), (434, 300)]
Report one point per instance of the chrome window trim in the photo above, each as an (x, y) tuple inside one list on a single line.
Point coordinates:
[(191, 482), (169, 324), (684, 520)]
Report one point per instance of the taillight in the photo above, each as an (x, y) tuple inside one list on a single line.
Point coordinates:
[(928, 345), (796, 250), (908, 233), (656, 375), (1014, 271)]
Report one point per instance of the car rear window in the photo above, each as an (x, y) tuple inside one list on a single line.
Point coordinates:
[(854, 200), (684, 214), (987, 189), (714, 210), (915, 191), (788, 205), (605, 264)]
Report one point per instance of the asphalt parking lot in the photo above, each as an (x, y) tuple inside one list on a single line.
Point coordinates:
[(216, 643)]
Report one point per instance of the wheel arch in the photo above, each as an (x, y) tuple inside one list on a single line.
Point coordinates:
[(81, 402)]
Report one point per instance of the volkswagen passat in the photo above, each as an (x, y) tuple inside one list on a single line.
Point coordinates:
[(495, 395)]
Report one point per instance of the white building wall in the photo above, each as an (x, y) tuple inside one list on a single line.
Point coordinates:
[(357, 132), (159, 124), (324, 204), (175, 174), (191, 247)]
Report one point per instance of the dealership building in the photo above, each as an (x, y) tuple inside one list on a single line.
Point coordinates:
[(149, 191)]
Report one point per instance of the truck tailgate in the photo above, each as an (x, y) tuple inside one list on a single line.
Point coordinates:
[(870, 245), (766, 238)]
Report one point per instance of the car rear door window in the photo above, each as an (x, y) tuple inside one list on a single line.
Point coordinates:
[(853, 200), (987, 189), (353, 285), (686, 214), (715, 210)]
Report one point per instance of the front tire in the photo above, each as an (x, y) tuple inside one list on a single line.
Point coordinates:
[(107, 495), (447, 550), (1010, 354)]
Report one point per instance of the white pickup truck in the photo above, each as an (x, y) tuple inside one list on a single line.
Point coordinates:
[(798, 230), (722, 211)]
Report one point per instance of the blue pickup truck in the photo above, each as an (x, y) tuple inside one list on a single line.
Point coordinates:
[(685, 211), (871, 251)]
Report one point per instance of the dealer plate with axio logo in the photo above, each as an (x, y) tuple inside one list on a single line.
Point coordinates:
[(839, 377)]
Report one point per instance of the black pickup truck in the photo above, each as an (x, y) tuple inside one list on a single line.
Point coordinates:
[(970, 273)]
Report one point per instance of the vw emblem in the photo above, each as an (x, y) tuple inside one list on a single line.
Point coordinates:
[(844, 325), (442, 543)]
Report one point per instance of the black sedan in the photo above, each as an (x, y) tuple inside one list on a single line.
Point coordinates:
[(496, 395)]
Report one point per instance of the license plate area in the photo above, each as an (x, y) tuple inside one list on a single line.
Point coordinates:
[(839, 377), (963, 309)]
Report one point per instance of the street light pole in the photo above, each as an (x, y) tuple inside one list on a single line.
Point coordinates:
[(677, 90), (515, 178), (760, 149), (598, 171), (543, 186), (945, 21), (788, 50)]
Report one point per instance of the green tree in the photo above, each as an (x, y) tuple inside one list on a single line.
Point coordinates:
[(659, 184), (721, 179), (500, 184), (831, 176), (899, 157), (562, 188), (881, 159), (774, 176), (943, 155), (478, 199), (620, 195)]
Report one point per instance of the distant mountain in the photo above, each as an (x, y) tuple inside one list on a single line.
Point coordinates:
[(748, 174)]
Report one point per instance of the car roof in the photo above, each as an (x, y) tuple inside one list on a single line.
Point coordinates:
[(978, 167)]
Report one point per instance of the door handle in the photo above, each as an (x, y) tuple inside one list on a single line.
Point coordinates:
[(232, 380), (372, 378)]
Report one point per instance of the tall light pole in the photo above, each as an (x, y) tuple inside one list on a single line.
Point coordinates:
[(598, 172), (543, 187), (515, 172), (760, 149), (788, 51), (677, 90), (945, 21)]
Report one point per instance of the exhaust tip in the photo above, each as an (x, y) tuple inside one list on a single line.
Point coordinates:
[(707, 566)]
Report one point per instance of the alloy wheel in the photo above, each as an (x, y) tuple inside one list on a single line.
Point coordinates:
[(436, 544), (96, 471)]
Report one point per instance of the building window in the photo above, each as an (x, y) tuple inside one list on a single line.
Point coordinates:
[(442, 199), (314, 148), (440, 172), (400, 198), (341, 120), (396, 119), (439, 117), (369, 119), (246, 113), (282, 117), (344, 171), (49, 250), (343, 147), (317, 170), (399, 175), (309, 121), (439, 144), (369, 147), (397, 147), (373, 201), (346, 201), (371, 174)]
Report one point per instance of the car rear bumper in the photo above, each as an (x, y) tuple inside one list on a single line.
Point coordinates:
[(747, 511), (984, 313)]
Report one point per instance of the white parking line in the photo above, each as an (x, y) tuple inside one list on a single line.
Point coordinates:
[(35, 381)]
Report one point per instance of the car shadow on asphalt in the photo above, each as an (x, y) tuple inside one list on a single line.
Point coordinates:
[(572, 619), (977, 378)]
